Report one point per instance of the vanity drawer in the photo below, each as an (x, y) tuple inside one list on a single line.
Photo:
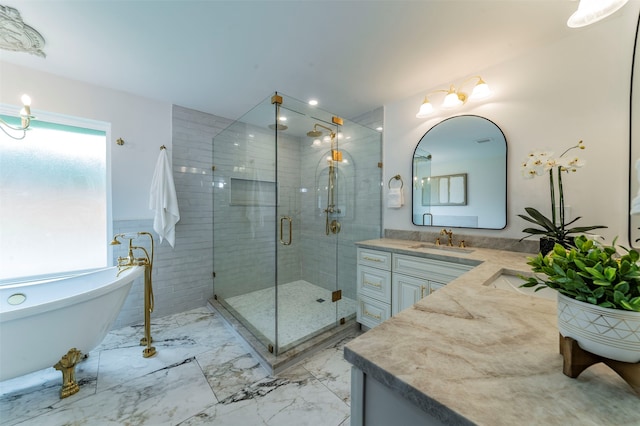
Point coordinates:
[(428, 268), (374, 283), (375, 258), (372, 312)]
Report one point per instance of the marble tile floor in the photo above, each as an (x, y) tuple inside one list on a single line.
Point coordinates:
[(201, 374), (296, 300)]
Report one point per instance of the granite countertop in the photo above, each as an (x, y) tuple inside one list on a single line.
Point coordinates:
[(474, 354)]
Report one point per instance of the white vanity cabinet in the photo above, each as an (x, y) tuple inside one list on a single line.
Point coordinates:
[(390, 282), (416, 277), (374, 287)]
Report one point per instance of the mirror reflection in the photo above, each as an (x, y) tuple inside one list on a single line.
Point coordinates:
[(450, 190), (634, 149), (460, 175)]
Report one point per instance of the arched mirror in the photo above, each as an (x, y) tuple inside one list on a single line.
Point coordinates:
[(634, 148), (460, 175)]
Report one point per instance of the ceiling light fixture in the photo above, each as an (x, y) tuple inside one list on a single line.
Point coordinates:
[(456, 97), (16, 36), (590, 11), (25, 120), (313, 102)]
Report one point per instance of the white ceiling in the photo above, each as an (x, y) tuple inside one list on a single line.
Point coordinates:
[(224, 57)]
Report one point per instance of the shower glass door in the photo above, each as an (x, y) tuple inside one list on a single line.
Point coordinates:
[(245, 197), (307, 237)]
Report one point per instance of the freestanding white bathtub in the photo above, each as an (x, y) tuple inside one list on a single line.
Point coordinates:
[(57, 315)]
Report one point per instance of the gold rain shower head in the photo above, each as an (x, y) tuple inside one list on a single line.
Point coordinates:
[(315, 133)]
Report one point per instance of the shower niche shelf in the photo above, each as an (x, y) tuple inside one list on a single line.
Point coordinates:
[(252, 192)]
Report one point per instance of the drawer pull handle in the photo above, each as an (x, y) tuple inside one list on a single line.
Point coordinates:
[(373, 284), (370, 315), (372, 259)]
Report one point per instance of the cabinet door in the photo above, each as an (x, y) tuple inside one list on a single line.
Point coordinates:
[(406, 291)]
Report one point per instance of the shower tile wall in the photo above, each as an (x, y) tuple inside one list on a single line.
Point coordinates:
[(182, 275)]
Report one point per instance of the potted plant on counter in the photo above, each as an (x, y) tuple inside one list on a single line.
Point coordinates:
[(598, 295), (551, 230)]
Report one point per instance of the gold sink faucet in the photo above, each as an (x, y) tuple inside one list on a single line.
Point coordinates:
[(449, 234)]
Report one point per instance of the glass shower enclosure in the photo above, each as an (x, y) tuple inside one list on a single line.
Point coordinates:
[(294, 187)]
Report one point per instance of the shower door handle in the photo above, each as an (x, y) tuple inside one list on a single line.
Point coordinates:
[(282, 241)]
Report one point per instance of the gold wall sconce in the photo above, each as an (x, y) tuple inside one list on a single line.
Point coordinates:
[(25, 121), (456, 97), (590, 11)]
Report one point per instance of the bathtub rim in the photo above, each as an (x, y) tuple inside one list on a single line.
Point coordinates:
[(19, 312)]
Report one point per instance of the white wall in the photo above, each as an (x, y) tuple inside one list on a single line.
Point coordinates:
[(575, 88), (144, 125)]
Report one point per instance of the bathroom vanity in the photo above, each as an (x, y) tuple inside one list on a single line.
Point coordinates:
[(473, 353), (390, 282)]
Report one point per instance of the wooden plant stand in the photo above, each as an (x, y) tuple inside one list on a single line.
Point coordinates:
[(576, 360)]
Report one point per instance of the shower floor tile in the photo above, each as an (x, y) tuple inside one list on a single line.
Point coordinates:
[(304, 310)]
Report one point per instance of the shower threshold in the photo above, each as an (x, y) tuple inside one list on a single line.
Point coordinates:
[(306, 315)]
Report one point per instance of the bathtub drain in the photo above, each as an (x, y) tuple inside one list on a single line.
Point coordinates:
[(16, 299)]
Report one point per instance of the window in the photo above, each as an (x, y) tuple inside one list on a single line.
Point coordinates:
[(54, 199)]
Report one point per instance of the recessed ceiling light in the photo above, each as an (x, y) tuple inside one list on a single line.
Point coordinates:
[(313, 102), (379, 129)]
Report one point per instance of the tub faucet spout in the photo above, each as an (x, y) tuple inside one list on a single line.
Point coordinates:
[(449, 234)]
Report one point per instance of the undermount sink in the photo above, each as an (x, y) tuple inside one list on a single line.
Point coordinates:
[(513, 283), (441, 247)]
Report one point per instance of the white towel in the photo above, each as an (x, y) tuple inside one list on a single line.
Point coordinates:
[(395, 198), (162, 199)]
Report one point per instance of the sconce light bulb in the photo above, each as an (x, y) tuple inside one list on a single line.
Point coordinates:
[(590, 11), (425, 109), (452, 99), (480, 91), (26, 100)]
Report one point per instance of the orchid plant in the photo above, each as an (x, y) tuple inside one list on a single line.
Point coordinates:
[(540, 163)]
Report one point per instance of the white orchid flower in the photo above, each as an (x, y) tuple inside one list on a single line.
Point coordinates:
[(575, 162), (532, 167), (552, 163)]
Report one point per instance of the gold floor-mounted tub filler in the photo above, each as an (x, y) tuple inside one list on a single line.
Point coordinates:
[(130, 261)]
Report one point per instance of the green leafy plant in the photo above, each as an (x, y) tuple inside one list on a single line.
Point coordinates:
[(591, 273), (537, 164)]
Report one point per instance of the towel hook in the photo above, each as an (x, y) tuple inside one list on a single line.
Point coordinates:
[(162, 147), (397, 177)]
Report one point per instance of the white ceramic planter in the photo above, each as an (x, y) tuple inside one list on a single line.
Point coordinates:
[(611, 333)]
